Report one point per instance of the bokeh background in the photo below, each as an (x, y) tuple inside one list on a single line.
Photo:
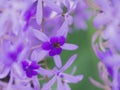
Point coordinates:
[(86, 61)]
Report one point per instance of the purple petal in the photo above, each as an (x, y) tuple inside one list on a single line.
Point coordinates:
[(67, 46), (18, 69), (34, 73), (72, 79), (45, 72), (24, 64), (36, 83), (34, 65), (67, 87), (53, 6), (40, 35), (59, 84), (61, 40), (39, 13), (57, 61), (63, 31), (38, 55), (4, 73), (55, 51), (49, 84), (69, 62), (100, 20), (46, 46), (54, 39)]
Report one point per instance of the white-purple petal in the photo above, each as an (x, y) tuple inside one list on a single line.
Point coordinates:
[(36, 83), (4, 73), (53, 6), (45, 72), (69, 62), (40, 35), (39, 13), (38, 55), (57, 60), (49, 84), (72, 79), (59, 84), (63, 31), (66, 86), (68, 46)]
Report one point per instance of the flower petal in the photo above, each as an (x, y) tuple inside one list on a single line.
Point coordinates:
[(46, 46), (57, 61), (38, 55), (39, 13), (67, 87), (53, 6), (45, 72), (72, 79), (69, 62), (4, 73), (67, 46), (36, 83), (63, 31), (48, 85), (59, 84), (40, 35)]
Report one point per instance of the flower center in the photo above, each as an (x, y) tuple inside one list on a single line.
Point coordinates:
[(56, 45)]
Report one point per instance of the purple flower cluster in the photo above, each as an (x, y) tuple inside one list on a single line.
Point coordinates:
[(105, 42), (30, 31)]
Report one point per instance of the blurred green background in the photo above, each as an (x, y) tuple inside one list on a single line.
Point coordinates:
[(86, 61)]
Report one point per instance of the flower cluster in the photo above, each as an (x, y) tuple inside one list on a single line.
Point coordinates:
[(30, 31), (105, 41)]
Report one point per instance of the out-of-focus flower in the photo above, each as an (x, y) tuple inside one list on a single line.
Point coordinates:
[(62, 78)]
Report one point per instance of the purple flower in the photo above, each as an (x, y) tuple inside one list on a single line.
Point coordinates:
[(30, 68), (62, 78), (53, 46)]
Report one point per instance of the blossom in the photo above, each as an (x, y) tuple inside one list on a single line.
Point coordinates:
[(30, 69), (62, 78), (52, 45)]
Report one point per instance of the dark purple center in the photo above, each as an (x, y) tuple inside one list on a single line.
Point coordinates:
[(30, 69), (54, 45)]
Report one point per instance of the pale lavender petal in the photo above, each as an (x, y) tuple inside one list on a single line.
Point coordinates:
[(59, 84), (72, 79), (70, 20), (69, 62), (38, 55), (66, 86), (97, 84), (63, 31), (48, 85), (18, 70), (45, 72), (36, 83), (100, 20), (53, 6), (67, 4), (39, 13), (4, 73), (68, 46), (73, 70), (57, 61), (40, 35)]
